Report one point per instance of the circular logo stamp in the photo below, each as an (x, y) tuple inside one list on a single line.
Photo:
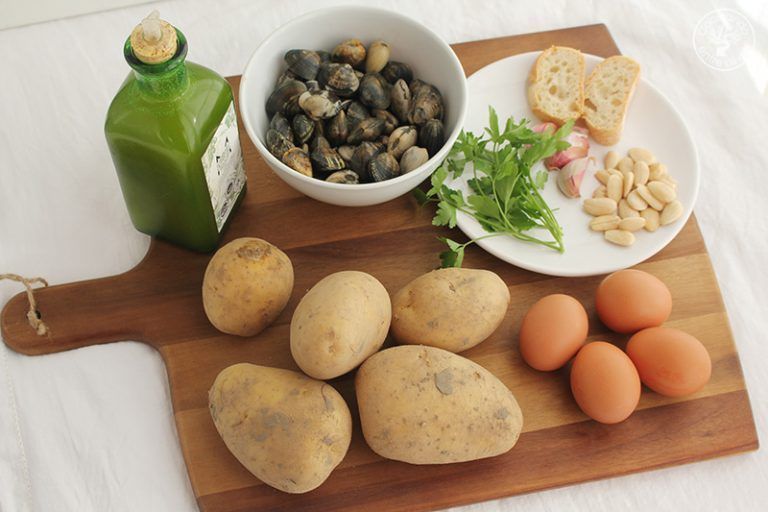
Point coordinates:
[(720, 37)]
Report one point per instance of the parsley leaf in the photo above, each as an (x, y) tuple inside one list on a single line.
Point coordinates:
[(504, 195)]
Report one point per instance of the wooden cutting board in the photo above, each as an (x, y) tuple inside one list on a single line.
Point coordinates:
[(158, 302)]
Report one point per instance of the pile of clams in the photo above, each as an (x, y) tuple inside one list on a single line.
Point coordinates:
[(353, 115)]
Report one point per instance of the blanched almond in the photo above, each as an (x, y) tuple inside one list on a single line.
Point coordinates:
[(632, 224), (641, 173), (662, 191), (657, 170), (651, 217), (614, 187), (625, 164), (629, 181), (600, 192), (599, 206), (649, 198), (602, 176), (604, 222), (620, 237), (636, 201), (671, 212), (669, 180), (611, 159), (642, 155), (626, 211)]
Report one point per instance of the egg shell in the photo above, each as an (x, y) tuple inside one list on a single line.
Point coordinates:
[(605, 383), (669, 361), (630, 300), (553, 330)]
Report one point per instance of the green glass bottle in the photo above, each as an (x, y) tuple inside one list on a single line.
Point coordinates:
[(172, 133)]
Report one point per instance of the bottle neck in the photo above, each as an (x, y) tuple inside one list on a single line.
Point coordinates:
[(163, 85), (165, 80)]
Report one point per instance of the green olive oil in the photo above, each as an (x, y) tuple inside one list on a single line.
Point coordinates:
[(172, 133)]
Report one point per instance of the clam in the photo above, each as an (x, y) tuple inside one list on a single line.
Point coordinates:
[(401, 139), (412, 158), (337, 129), (356, 112), (346, 151), (298, 160), (303, 127), (383, 167), (345, 176), (324, 158), (384, 140), (277, 143), (313, 85), (340, 79), (427, 104), (284, 77), (280, 123), (283, 94), (361, 156), (395, 71), (416, 85), (390, 121), (292, 107), (401, 100), (324, 56), (351, 51), (367, 129), (432, 136), (374, 91), (319, 104), (304, 63), (378, 56)]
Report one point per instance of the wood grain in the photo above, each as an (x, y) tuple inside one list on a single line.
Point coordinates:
[(158, 302)]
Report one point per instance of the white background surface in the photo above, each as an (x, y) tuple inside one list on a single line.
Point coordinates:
[(92, 430)]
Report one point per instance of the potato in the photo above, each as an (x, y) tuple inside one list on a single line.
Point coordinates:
[(290, 431), (341, 321), (424, 405), (247, 284), (450, 308)]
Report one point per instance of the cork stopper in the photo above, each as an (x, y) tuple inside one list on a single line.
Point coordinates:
[(153, 41)]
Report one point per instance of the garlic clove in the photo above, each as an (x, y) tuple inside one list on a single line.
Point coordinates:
[(545, 128), (569, 178), (579, 141)]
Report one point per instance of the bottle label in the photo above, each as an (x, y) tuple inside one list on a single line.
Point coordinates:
[(223, 167)]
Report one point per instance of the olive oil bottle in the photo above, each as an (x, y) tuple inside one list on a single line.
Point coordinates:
[(172, 133)]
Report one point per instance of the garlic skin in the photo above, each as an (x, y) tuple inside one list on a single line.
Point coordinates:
[(569, 178), (579, 141), (544, 127)]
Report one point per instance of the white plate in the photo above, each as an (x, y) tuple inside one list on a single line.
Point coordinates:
[(652, 122)]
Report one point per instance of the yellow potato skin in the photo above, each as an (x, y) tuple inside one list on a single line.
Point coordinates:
[(290, 431), (425, 405), (450, 308), (246, 286), (341, 321)]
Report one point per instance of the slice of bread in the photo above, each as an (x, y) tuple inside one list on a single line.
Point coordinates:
[(608, 92), (556, 85)]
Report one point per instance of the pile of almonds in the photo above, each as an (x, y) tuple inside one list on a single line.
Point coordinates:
[(636, 192)]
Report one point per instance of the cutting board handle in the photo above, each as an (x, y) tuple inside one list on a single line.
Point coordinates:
[(88, 320)]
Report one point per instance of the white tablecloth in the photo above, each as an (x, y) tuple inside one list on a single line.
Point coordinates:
[(92, 429)]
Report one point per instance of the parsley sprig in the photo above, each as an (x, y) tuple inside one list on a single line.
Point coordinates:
[(505, 196)]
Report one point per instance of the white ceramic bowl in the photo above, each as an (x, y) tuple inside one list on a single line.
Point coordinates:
[(430, 57)]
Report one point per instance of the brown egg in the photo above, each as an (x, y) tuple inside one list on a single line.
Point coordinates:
[(553, 330), (630, 300), (604, 382), (670, 362)]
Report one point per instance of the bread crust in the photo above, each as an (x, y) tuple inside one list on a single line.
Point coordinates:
[(537, 74), (608, 136)]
